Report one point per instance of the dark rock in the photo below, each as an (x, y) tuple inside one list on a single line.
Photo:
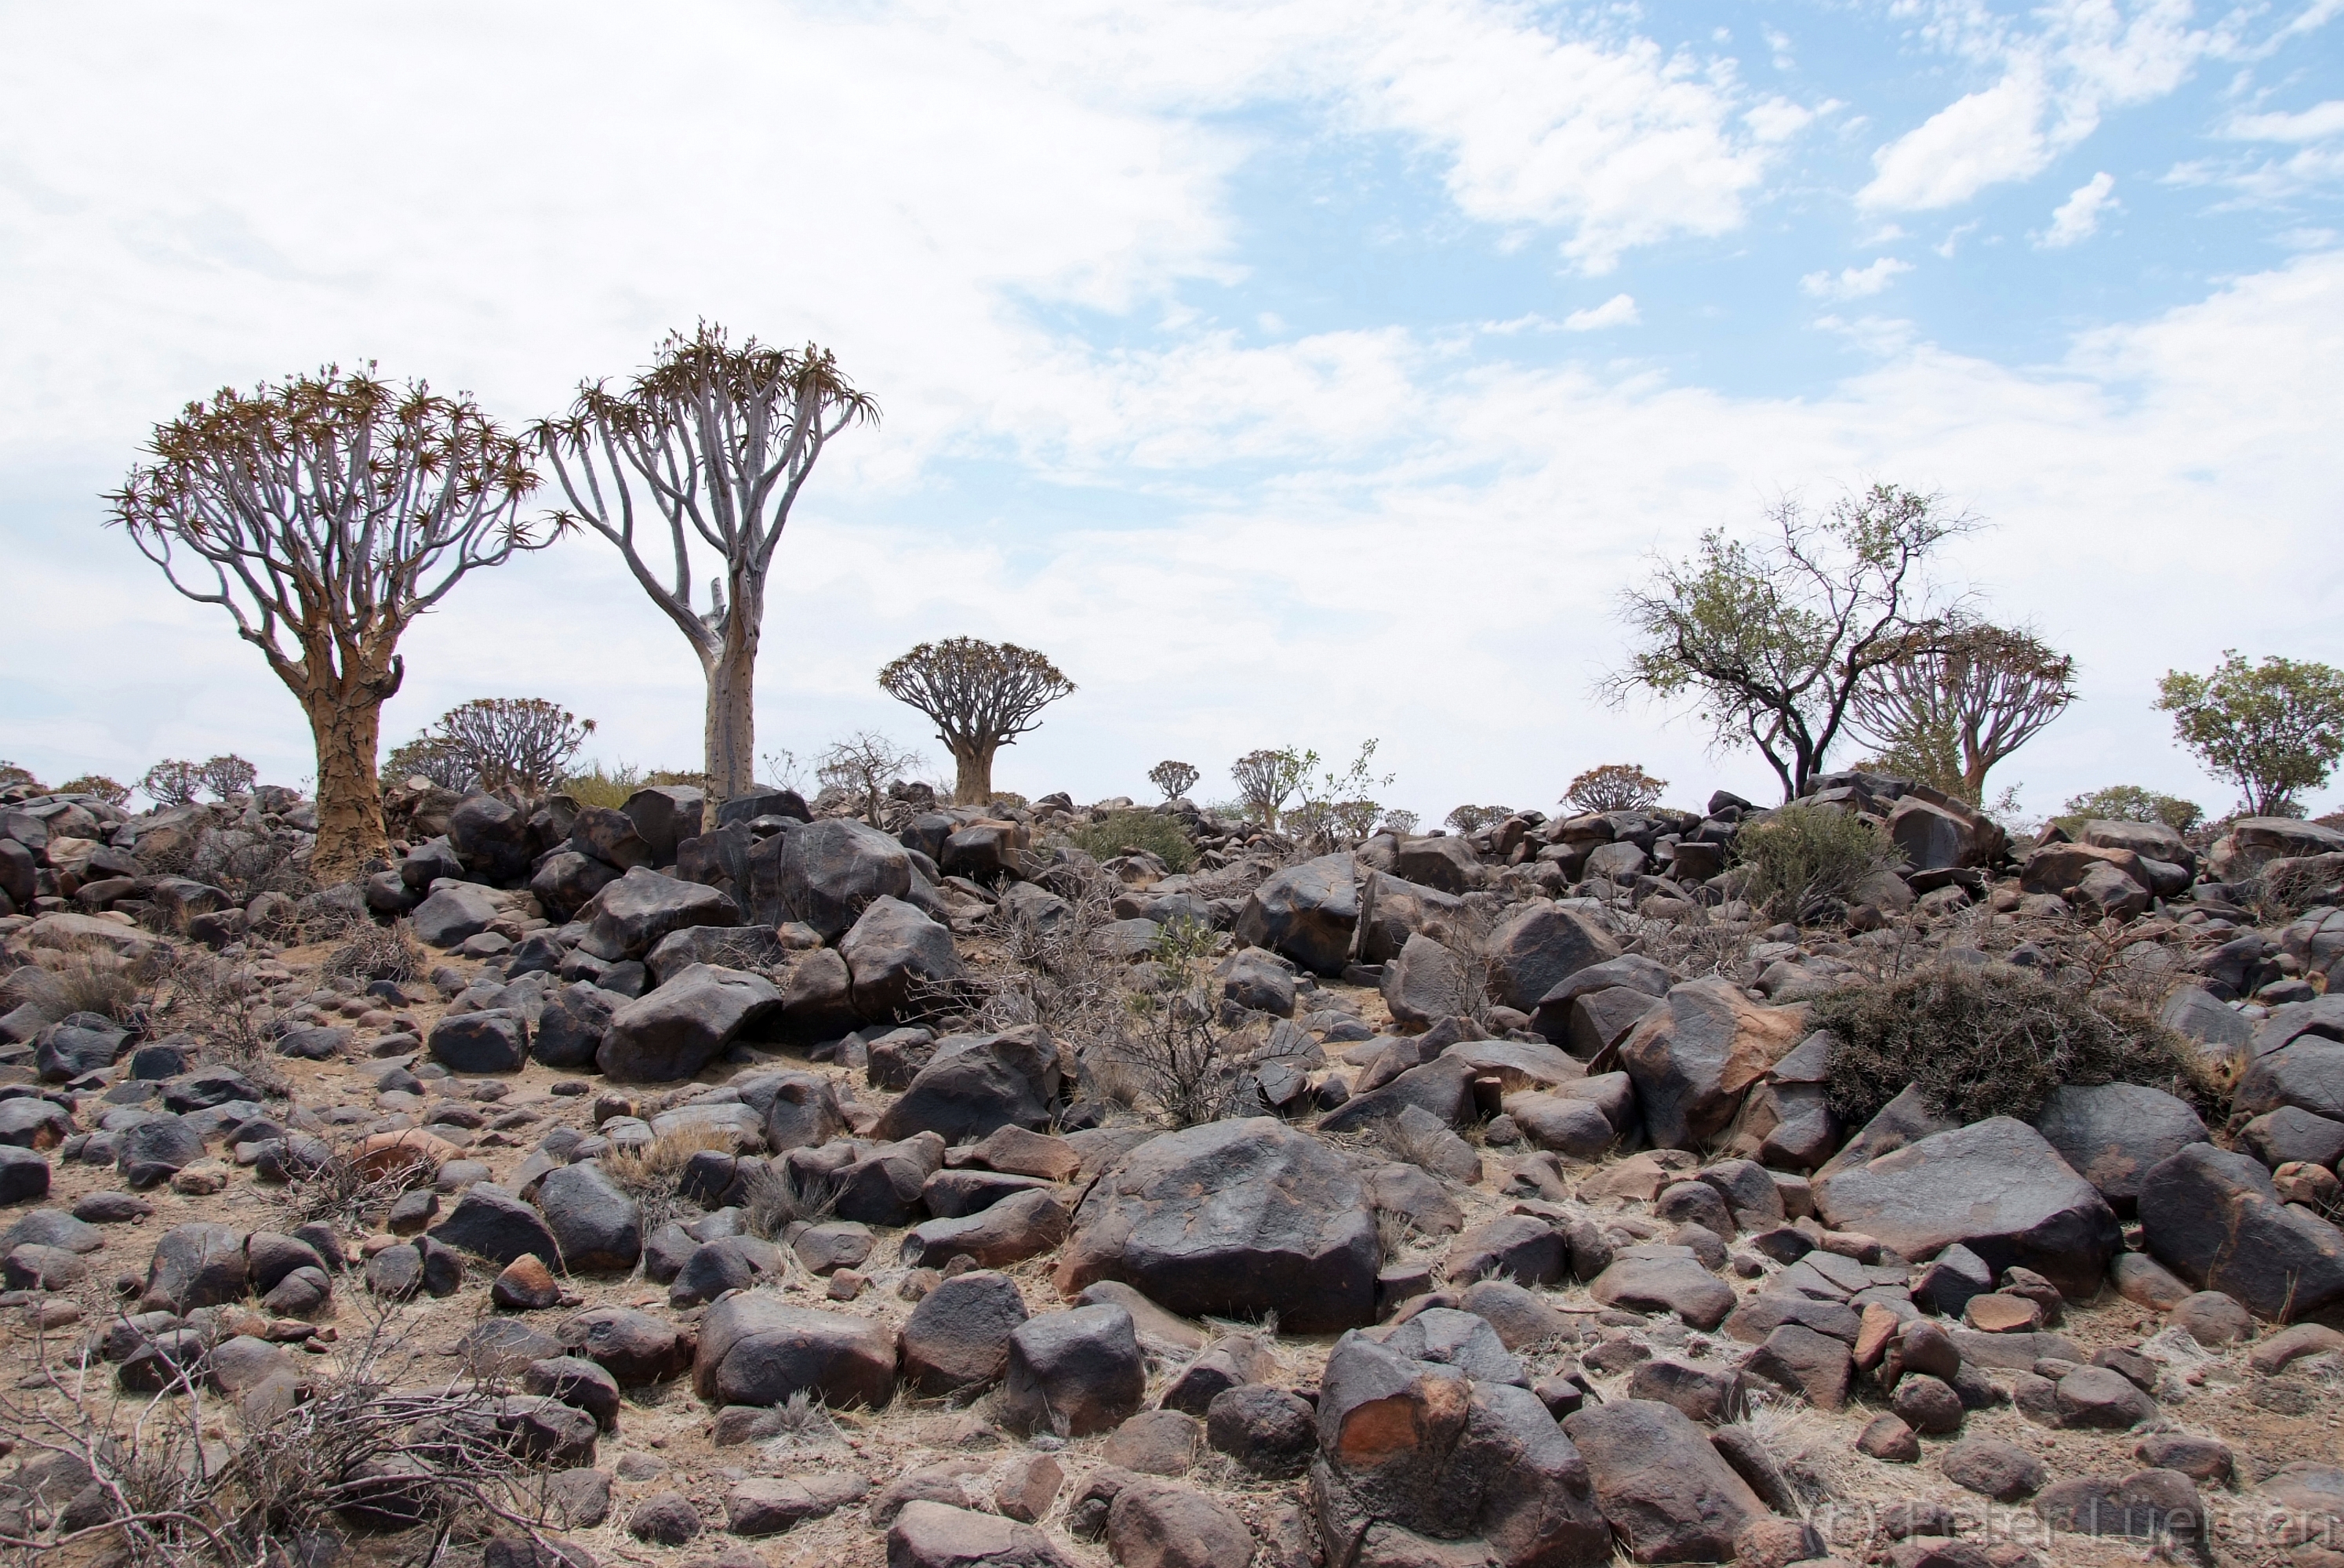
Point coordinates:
[(2214, 1218), (674, 1032), (1692, 1059), (830, 871), (1074, 1372), (899, 960), (1709, 1394), (1235, 1219), (595, 1225), (569, 1031), (756, 1350), (630, 917), (2292, 1134), (1256, 980), (1662, 1278), (491, 1223), (1804, 1361), (198, 1265), (2112, 1133), (768, 1504), (566, 880), (726, 1264), (974, 1084), (633, 1346), (664, 1519), (152, 1152), (490, 1041), (1988, 1465), (1513, 1246), (1008, 1232), (957, 1337), (1995, 1187), (83, 1043), (1306, 912), (1156, 1524), (453, 914), (1267, 1430), (23, 1175), (1663, 1489), (937, 1536), (1541, 949)]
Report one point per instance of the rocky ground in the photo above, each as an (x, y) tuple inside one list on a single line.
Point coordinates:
[(807, 1193)]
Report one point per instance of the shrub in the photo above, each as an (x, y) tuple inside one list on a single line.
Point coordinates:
[(1800, 858), (1104, 838), (1980, 1042), (1614, 786), (1473, 819), (10, 773), (171, 782), (2130, 803), (84, 979), (375, 953), (612, 787), (99, 785)]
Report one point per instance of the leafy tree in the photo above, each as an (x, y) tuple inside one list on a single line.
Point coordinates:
[(99, 785), (981, 695), (706, 451), (435, 758), (2130, 803), (1174, 778), (1473, 819), (1769, 641), (229, 775), (172, 783), (324, 515), (1614, 786), (2274, 729), (11, 774), (1336, 808), (521, 744), (1266, 779), (863, 766), (1963, 700)]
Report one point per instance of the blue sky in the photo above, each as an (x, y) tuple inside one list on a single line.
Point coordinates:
[(1293, 372)]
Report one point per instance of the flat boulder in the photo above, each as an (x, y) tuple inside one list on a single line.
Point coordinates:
[(756, 1349), (2214, 1218), (937, 1535), (1308, 912), (1233, 1218), (1693, 1057), (630, 917), (1660, 1277), (976, 1083), (670, 1033), (1997, 1187), (491, 1223), (452, 914), (2111, 1133)]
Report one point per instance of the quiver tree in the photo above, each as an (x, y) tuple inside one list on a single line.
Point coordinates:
[(172, 782), (706, 451), (1614, 786), (1963, 700), (324, 515), (1264, 780), (981, 695), (1770, 641), (229, 775), (523, 745), (1174, 778)]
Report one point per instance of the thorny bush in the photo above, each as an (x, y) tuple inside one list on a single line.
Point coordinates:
[(1799, 860)]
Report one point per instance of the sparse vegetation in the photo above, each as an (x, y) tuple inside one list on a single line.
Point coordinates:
[(111, 791), (1265, 780), (1614, 786), (652, 1173), (1473, 819), (2129, 803), (863, 766), (1172, 1042), (1119, 833), (171, 782), (92, 979), (1961, 702), (1799, 860), (516, 746), (612, 786), (1981, 1041), (377, 952)]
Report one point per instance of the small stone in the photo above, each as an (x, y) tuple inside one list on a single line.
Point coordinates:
[(2211, 1318), (1928, 1405), (1154, 1443), (1889, 1438), (664, 1519), (1993, 1468), (847, 1285), (1996, 1314), (526, 1285)]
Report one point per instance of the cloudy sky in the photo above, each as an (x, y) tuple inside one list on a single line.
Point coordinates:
[(1299, 371)]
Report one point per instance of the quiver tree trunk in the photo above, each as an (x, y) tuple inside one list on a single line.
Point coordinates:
[(971, 774), (345, 711), (730, 752)]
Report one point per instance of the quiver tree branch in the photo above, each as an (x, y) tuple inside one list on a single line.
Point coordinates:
[(324, 515), (704, 451), (981, 695), (1975, 694)]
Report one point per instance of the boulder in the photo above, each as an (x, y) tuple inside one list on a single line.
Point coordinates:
[(1417, 1454), (491, 1223), (768, 1504), (82, 1043), (755, 1349), (571, 1028), (2214, 1218), (899, 961), (831, 870), (566, 881), (198, 1265), (492, 1041), (1538, 949), (1661, 1487), (1308, 912), (630, 917), (1692, 1058), (729, 947), (804, 1113), (1156, 1524), (674, 1032), (1662, 1278), (1423, 983), (975, 1083), (937, 1535), (453, 913), (2254, 842), (1074, 1372), (2306, 1073), (492, 837), (633, 1346), (1235, 1219), (2111, 1133), (1268, 1430), (664, 815), (1009, 1231), (957, 1337), (595, 1225), (1940, 837), (1998, 1187), (1257, 982)]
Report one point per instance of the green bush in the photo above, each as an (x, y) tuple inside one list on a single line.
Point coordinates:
[(1984, 1040), (2130, 803), (1798, 859), (597, 787), (1104, 838)]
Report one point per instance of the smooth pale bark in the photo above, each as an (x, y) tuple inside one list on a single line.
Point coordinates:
[(973, 774), (730, 733)]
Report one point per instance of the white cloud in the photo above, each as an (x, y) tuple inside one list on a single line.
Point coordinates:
[(1854, 282), (2079, 217), (1620, 310), (2054, 85), (2313, 124)]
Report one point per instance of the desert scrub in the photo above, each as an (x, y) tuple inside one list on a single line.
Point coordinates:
[(1105, 838), (1803, 857), (85, 979), (1984, 1040), (375, 953)]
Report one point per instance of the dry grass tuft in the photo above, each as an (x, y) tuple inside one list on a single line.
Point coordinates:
[(652, 1174), (375, 953), (777, 1201), (66, 981)]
